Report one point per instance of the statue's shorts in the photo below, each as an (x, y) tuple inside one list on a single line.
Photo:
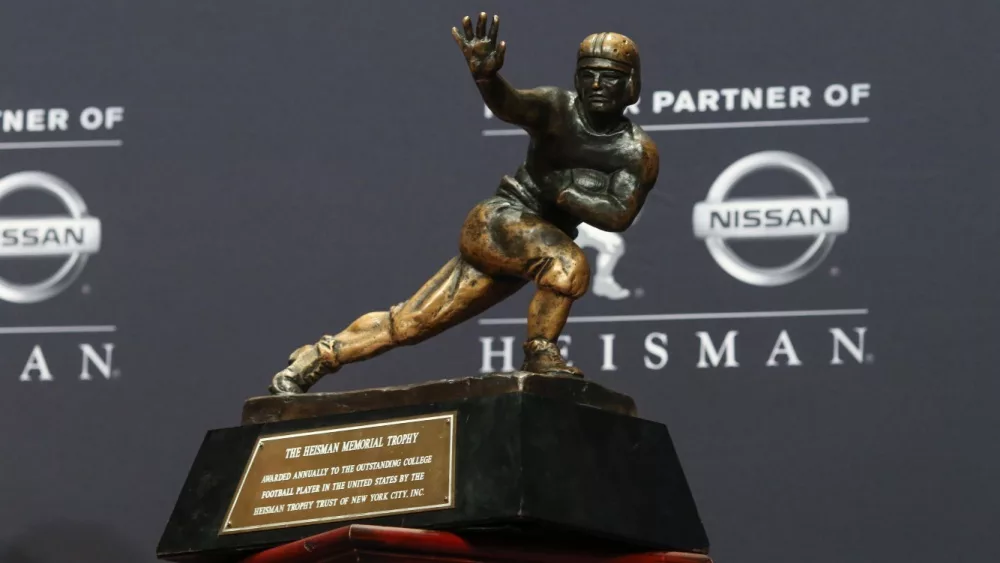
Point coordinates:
[(502, 237), (503, 246)]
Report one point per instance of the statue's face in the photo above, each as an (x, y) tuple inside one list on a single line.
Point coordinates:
[(602, 90)]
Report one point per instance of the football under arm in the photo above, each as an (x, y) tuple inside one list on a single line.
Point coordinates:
[(615, 208)]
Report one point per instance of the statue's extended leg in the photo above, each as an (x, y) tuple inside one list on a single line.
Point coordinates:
[(454, 294)]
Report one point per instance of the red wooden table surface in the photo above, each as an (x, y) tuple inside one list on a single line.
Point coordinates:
[(378, 544)]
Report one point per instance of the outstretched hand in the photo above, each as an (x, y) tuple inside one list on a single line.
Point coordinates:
[(481, 50)]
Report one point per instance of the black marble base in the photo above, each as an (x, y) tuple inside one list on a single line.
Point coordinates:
[(522, 460)]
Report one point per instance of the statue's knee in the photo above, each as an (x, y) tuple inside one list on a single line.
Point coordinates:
[(406, 327), (567, 275)]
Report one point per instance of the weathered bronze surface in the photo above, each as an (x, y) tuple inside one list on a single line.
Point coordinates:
[(586, 163), (259, 410), (346, 472)]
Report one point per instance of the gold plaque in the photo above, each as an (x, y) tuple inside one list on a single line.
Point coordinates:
[(344, 472)]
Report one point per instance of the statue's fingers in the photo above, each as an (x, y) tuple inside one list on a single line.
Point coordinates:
[(458, 38), (501, 51), (495, 28), (481, 26), (467, 26)]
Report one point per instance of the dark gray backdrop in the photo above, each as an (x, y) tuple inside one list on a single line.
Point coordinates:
[(286, 166)]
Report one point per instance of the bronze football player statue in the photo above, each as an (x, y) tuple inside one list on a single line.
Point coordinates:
[(586, 163)]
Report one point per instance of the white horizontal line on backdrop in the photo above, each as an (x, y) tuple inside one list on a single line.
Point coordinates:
[(691, 316), (56, 329), (61, 144), (509, 131)]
